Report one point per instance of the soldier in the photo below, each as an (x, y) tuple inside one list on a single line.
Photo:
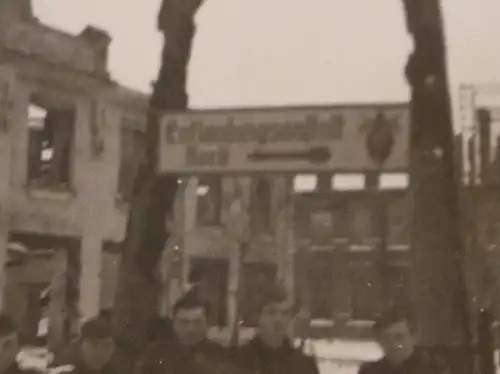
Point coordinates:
[(393, 331), (271, 351), (93, 352), (189, 351)]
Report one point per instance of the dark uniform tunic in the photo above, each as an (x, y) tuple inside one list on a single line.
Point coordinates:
[(416, 364), (258, 358)]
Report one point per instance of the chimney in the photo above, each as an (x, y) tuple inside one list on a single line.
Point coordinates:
[(100, 41)]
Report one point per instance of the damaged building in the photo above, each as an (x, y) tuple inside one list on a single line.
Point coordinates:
[(69, 142)]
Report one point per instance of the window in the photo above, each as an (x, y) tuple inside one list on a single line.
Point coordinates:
[(321, 227), (304, 183), (50, 144), (209, 200), (348, 182), (399, 218), (260, 206), (340, 221), (394, 181), (398, 284), (321, 284), (364, 292), (361, 220), (132, 148), (302, 218)]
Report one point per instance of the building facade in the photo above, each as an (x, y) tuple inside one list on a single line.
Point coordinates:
[(352, 266), (322, 245), (327, 244), (305, 239), (211, 243), (69, 144)]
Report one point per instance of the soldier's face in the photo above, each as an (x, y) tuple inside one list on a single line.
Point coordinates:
[(190, 326), (96, 353), (397, 342), (274, 322)]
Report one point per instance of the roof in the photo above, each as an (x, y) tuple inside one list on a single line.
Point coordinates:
[(130, 98)]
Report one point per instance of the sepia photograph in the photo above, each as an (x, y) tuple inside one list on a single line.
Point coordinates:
[(249, 187)]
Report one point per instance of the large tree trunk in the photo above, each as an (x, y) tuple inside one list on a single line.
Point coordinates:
[(437, 252), (153, 198)]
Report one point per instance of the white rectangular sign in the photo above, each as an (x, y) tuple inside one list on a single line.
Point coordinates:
[(337, 138)]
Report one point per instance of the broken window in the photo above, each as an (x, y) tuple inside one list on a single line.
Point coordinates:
[(132, 147), (261, 206), (51, 132), (209, 200)]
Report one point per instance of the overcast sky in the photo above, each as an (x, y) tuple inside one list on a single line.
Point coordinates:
[(278, 52), (281, 52)]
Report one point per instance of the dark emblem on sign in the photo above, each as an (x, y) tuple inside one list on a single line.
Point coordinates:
[(380, 137), (314, 155)]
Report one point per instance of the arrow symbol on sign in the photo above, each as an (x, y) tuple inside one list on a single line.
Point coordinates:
[(315, 155)]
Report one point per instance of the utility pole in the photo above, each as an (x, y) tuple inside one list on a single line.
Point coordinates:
[(437, 247)]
